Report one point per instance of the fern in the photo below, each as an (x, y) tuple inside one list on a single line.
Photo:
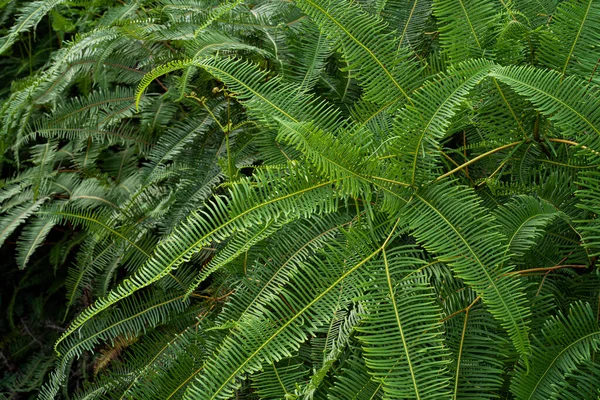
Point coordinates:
[(573, 337), (319, 199)]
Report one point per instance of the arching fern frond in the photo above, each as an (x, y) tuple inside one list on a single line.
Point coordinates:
[(524, 221), (470, 246), (252, 204), (570, 104), (465, 27), (275, 330), (574, 36), (420, 127), (388, 74), (573, 339), (32, 237), (402, 332), (29, 16)]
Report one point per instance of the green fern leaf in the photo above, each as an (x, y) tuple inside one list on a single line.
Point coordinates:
[(465, 25), (575, 35), (32, 237), (402, 334), (387, 74), (565, 342), (470, 247)]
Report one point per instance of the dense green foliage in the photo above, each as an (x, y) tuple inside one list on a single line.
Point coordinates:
[(317, 199)]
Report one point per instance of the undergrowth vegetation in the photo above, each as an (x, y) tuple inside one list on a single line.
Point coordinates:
[(308, 199)]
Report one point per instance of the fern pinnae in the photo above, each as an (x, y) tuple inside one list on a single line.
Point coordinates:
[(285, 261), (417, 129), (233, 250), (32, 237), (576, 335), (570, 104), (170, 254), (376, 49), (503, 295), (567, 48), (401, 303), (264, 337), (373, 199), (17, 216), (524, 220), (29, 17), (471, 16)]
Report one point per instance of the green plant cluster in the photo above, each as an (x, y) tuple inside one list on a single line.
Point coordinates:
[(307, 199)]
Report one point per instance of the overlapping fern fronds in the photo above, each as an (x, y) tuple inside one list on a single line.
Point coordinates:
[(318, 199)]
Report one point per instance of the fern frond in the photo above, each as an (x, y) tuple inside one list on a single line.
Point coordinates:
[(309, 54), (420, 126), (566, 341), (582, 383), (276, 330), (470, 246), (408, 19), (570, 49), (134, 316), (10, 221), (285, 258), (589, 195), (332, 157), (32, 237), (338, 334), (465, 27), (524, 221), (402, 332), (354, 382), (92, 221), (386, 73), (270, 100), (251, 206), (29, 16), (570, 104)]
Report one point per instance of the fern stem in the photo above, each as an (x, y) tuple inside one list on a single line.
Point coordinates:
[(569, 142), (547, 269), (479, 157)]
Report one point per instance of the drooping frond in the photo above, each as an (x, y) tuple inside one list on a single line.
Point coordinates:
[(273, 99), (32, 237), (29, 17), (408, 19), (566, 341), (388, 74), (275, 330), (131, 318), (590, 226), (354, 382), (471, 247), (570, 104), (570, 47), (420, 127), (252, 206), (464, 27), (278, 381), (402, 332), (18, 215), (524, 221)]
